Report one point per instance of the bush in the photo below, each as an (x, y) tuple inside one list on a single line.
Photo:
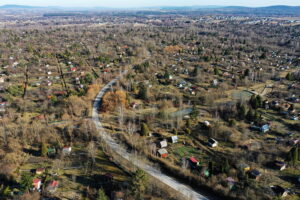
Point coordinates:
[(15, 90)]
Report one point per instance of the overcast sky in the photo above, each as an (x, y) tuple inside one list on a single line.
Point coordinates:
[(145, 3)]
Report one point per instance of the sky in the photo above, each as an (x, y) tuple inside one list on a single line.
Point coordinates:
[(149, 3)]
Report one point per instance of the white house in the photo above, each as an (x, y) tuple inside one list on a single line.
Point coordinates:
[(163, 144)]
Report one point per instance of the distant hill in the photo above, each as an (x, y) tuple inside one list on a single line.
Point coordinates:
[(12, 6), (270, 10), (280, 10)]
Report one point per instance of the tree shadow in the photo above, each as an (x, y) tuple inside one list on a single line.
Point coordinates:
[(32, 152)]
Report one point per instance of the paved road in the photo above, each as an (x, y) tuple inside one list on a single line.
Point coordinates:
[(185, 190)]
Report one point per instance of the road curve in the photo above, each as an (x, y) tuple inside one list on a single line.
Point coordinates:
[(185, 190)]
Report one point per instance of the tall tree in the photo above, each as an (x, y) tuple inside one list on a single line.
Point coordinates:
[(138, 184), (143, 92), (144, 129), (44, 149), (26, 181), (101, 195)]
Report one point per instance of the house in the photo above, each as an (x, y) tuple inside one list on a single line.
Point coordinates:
[(279, 165), (77, 80), (294, 117), (215, 82), (212, 142), (230, 182), (279, 191), (134, 105), (174, 139), (293, 142), (73, 69), (264, 128), (193, 162), (52, 186), (163, 153), (39, 117), (118, 195), (275, 104), (206, 123), (39, 171), (2, 80), (255, 174), (163, 144), (36, 183), (51, 151), (244, 167), (66, 150)]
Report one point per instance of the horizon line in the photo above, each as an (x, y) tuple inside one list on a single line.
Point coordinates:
[(142, 7)]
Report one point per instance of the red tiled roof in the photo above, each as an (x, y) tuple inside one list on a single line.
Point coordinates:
[(36, 181), (54, 183), (194, 160)]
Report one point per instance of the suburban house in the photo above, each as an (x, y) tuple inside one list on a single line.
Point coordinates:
[(255, 174), (39, 171), (118, 195), (279, 191), (264, 128), (215, 82), (163, 144), (36, 183), (51, 151), (52, 186), (66, 150), (244, 167), (212, 142), (2, 79), (230, 182), (163, 153), (193, 162), (206, 123), (294, 117), (279, 165), (174, 139)]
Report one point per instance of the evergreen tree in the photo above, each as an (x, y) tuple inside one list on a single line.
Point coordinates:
[(5, 192), (216, 71), (88, 79), (44, 149), (259, 101), (289, 77), (101, 195), (295, 155), (195, 112), (26, 181), (250, 115), (143, 92), (188, 131), (254, 102), (167, 75), (196, 71), (247, 72), (226, 166), (256, 116), (242, 112), (188, 123), (144, 129), (138, 183), (175, 132)]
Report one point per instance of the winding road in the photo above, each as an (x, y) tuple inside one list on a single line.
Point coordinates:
[(185, 190)]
